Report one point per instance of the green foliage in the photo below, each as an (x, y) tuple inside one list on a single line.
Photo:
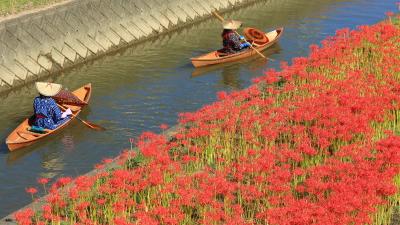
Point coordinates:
[(14, 6), (134, 162)]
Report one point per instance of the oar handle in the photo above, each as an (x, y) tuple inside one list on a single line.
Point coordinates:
[(218, 16), (88, 124), (72, 115), (63, 108), (252, 47)]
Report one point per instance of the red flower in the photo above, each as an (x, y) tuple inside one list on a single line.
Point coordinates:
[(389, 13), (24, 217), (312, 150), (101, 201), (163, 126), (107, 160), (221, 95), (31, 190), (43, 181), (62, 181)]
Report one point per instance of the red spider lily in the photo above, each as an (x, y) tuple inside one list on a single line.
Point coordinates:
[(62, 181), (73, 194), (320, 148), (101, 201), (24, 217), (43, 181), (99, 166), (84, 183), (222, 95), (163, 126), (47, 212), (31, 190), (82, 206), (389, 14), (107, 160), (121, 221)]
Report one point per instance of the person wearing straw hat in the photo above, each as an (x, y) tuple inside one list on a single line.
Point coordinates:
[(232, 43), (47, 113)]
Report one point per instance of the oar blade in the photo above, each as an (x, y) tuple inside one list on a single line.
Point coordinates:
[(93, 126)]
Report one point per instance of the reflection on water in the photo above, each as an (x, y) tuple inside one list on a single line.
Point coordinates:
[(143, 86), (68, 142), (230, 71), (14, 157), (230, 77)]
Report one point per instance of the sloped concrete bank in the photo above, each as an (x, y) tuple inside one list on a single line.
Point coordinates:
[(44, 42)]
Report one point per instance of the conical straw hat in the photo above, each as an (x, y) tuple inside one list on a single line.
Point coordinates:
[(231, 24), (48, 89)]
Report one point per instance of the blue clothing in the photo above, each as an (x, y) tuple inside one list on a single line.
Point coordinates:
[(245, 45), (37, 129), (231, 42), (47, 113)]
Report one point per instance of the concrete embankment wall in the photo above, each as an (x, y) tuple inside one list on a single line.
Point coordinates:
[(48, 41)]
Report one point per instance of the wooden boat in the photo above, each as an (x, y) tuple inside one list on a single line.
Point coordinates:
[(22, 137), (214, 57)]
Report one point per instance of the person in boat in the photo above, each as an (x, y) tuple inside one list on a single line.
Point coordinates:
[(231, 41), (47, 114)]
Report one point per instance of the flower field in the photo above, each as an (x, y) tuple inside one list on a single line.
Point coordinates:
[(314, 143)]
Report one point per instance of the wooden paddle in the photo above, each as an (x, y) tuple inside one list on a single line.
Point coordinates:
[(88, 124), (91, 125), (251, 45)]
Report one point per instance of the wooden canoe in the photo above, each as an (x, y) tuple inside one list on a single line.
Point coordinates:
[(22, 137), (213, 58)]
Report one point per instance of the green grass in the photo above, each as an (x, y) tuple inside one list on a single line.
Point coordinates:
[(8, 7)]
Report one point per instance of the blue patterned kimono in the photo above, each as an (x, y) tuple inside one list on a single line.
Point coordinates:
[(231, 42), (47, 113)]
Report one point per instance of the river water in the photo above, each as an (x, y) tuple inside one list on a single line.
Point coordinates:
[(141, 87)]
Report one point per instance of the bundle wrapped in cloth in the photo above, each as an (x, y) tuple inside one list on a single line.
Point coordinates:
[(68, 98)]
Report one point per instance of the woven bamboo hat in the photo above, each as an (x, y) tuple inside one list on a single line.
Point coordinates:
[(231, 24), (48, 89)]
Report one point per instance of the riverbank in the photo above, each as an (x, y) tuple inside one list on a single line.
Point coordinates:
[(45, 42), (13, 7), (108, 164), (144, 94), (322, 138)]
